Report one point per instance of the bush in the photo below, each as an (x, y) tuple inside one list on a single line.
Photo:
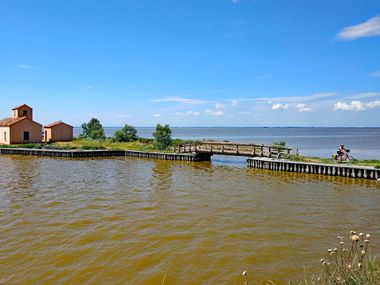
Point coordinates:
[(126, 134), (280, 143), (162, 136), (93, 130)]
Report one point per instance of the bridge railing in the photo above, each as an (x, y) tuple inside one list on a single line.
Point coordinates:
[(253, 150)]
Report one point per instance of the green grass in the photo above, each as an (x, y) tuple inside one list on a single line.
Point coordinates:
[(373, 162), (142, 144)]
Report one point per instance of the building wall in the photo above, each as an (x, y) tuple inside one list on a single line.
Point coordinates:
[(17, 132), (47, 134), (4, 135), (20, 112), (59, 133)]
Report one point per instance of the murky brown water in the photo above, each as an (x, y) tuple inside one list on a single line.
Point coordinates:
[(131, 221)]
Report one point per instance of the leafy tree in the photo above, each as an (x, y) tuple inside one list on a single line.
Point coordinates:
[(93, 130), (162, 136), (126, 134)]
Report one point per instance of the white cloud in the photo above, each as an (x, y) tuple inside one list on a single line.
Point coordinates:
[(215, 112), (375, 73), (370, 28), (178, 99), (188, 113), (24, 66), (234, 102), (280, 106), (122, 116), (353, 106), (295, 99), (364, 95), (219, 106), (303, 108), (157, 115), (373, 104)]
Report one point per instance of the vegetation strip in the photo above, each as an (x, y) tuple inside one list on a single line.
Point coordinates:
[(106, 153)]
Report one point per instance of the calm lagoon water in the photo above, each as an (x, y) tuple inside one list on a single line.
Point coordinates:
[(322, 142), (134, 221)]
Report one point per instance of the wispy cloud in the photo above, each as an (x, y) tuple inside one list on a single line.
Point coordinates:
[(219, 106), (369, 28), (215, 112), (375, 73), (279, 106), (364, 95), (181, 100), (234, 102), (123, 116), (24, 66), (297, 99), (157, 115), (301, 107), (188, 113), (356, 105)]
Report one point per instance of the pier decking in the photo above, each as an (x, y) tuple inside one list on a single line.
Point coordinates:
[(107, 153), (345, 170)]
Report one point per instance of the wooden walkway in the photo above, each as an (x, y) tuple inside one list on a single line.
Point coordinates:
[(237, 149), (106, 153), (345, 170)]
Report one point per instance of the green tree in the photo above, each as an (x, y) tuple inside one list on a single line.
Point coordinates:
[(126, 134), (162, 136), (93, 130)]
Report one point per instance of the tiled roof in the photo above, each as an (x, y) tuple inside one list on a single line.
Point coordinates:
[(10, 121), (56, 124), (23, 105)]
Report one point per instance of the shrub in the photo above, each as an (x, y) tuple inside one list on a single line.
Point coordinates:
[(279, 143), (93, 130), (162, 136), (126, 134)]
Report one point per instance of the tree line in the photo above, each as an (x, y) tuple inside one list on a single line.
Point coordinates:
[(94, 130)]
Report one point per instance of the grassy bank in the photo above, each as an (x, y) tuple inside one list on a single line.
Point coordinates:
[(88, 144), (373, 162), (143, 144)]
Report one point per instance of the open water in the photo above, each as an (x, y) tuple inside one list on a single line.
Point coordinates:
[(364, 143), (138, 221)]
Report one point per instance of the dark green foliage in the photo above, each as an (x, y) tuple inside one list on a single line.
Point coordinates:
[(280, 143), (126, 134), (162, 136), (93, 130)]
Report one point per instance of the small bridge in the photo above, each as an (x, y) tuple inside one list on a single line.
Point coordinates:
[(237, 149)]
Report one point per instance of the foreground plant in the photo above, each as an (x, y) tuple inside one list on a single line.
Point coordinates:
[(349, 263)]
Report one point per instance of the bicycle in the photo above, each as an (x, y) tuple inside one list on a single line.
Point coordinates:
[(345, 158)]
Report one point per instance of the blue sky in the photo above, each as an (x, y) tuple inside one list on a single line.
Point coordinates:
[(193, 63)]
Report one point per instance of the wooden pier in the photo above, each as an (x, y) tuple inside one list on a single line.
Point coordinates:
[(237, 149), (345, 170), (107, 153)]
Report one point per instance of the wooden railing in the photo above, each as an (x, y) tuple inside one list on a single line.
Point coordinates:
[(227, 148)]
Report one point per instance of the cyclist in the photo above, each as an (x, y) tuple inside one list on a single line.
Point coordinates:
[(342, 153)]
